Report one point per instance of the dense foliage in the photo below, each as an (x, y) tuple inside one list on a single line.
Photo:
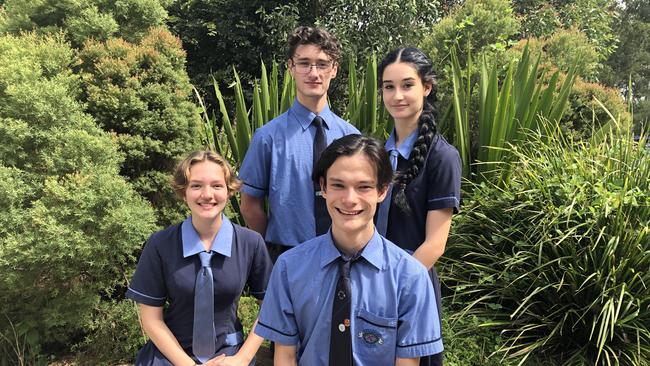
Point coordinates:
[(141, 93), (69, 224), (134, 81), (556, 256)]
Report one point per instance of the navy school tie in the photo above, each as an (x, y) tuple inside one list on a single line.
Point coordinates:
[(340, 334), (321, 216), (203, 334)]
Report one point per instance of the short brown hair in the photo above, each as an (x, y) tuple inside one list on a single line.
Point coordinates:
[(181, 175), (317, 36)]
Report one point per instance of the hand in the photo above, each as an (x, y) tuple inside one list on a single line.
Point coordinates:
[(223, 360)]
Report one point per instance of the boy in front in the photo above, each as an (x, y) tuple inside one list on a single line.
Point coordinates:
[(350, 297)]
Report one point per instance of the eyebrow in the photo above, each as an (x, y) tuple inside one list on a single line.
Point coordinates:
[(298, 58), (337, 180), (403, 80)]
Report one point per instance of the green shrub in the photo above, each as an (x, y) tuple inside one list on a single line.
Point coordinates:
[(70, 225), (584, 115), (141, 93), (557, 256), (114, 334), (80, 20), (488, 27), (562, 50)]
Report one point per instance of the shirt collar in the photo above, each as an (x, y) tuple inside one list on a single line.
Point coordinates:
[(372, 252), (406, 147), (305, 116), (221, 244)]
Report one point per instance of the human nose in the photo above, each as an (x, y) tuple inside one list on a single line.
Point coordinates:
[(398, 94), (350, 196), (313, 67), (206, 191)]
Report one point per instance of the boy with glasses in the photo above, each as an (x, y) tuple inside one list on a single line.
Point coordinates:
[(280, 160)]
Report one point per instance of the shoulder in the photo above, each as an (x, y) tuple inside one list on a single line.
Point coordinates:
[(344, 125), (272, 127), (246, 235), (441, 149), (301, 255), (166, 237), (402, 263)]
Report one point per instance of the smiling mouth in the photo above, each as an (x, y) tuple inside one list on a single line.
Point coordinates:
[(349, 213), (207, 204)]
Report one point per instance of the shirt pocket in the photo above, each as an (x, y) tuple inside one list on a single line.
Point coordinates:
[(375, 338)]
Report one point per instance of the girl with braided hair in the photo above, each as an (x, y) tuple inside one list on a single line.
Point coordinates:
[(426, 191)]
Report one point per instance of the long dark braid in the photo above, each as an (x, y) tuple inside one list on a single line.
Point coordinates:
[(427, 129)]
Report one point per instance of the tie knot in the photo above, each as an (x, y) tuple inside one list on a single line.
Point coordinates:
[(317, 121), (205, 258), (393, 153)]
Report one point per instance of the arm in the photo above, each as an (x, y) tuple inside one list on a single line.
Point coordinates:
[(407, 361), (285, 355), (162, 337), (248, 350), (437, 230), (252, 209)]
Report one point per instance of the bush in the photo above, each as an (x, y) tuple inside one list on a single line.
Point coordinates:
[(141, 93), (69, 223), (562, 50), (584, 115), (114, 334), (489, 26), (555, 255), (80, 20)]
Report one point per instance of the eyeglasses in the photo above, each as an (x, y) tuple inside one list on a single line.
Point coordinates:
[(304, 67)]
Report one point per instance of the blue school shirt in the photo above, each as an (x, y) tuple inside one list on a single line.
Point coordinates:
[(278, 164), (437, 186), (393, 303), (166, 275)]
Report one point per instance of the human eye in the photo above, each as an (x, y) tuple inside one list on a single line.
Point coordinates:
[(303, 64), (195, 186), (336, 185), (366, 187), (323, 65), (388, 86)]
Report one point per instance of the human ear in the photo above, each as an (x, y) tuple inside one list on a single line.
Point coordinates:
[(383, 191), (427, 89), (323, 185)]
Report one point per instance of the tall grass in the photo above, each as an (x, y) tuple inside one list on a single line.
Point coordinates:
[(505, 109), (558, 255)]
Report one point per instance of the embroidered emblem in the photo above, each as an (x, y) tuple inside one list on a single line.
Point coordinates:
[(371, 337)]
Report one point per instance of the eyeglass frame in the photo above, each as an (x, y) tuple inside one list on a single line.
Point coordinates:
[(329, 68)]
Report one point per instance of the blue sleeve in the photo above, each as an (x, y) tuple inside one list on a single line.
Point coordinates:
[(418, 330), (261, 266), (277, 320), (148, 284), (443, 180), (256, 168)]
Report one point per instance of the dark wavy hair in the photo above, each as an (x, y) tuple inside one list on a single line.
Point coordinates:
[(427, 129), (319, 37), (350, 145)]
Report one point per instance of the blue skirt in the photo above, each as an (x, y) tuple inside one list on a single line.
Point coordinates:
[(149, 355)]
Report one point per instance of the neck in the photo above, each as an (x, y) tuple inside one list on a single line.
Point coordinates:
[(404, 128), (207, 230), (314, 104), (350, 243)]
